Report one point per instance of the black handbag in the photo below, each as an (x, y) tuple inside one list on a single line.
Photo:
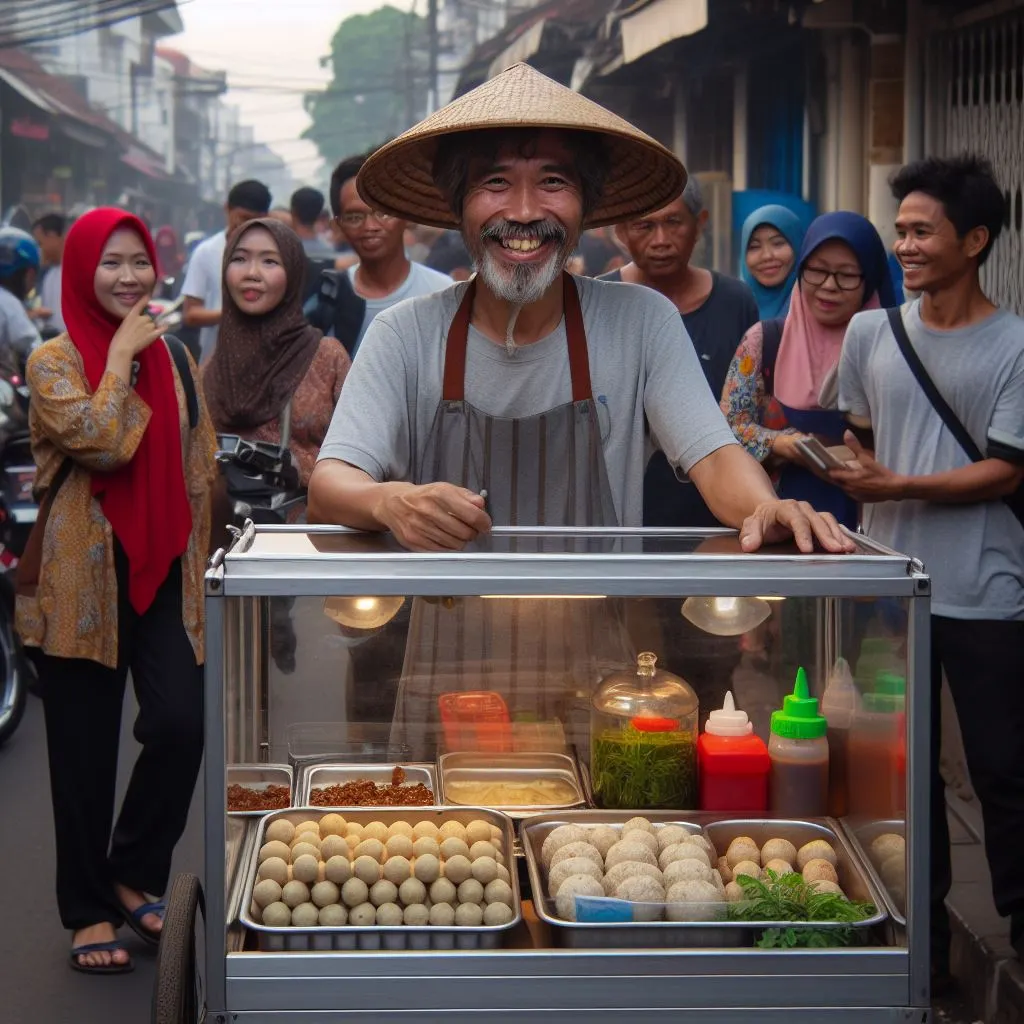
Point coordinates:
[(1015, 501)]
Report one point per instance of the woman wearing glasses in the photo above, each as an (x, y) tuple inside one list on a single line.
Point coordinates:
[(771, 395)]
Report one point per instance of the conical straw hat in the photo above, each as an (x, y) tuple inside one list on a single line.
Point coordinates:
[(643, 174)]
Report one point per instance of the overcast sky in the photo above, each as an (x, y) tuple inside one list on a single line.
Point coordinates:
[(271, 50)]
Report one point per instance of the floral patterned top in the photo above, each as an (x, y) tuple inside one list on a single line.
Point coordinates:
[(756, 419), (73, 613), (312, 407)]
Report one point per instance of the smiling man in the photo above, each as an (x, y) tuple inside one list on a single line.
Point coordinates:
[(926, 495), (521, 397)]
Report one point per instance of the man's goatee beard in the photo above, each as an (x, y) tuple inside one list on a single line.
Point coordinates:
[(523, 285)]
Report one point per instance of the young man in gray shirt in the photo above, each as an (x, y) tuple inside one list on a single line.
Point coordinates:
[(924, 495)]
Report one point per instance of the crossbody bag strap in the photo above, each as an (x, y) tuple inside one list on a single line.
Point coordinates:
[(932, 393), (179, 354), (771, 341), (286, 424)]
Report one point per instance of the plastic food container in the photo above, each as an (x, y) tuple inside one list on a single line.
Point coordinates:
[(399, 937)]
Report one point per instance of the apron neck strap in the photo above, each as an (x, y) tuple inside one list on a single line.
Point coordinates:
[(454, 386)]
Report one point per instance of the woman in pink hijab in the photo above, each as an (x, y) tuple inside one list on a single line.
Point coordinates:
[(771, 395)]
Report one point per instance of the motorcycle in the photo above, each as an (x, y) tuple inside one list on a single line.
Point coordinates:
[(17, 514)]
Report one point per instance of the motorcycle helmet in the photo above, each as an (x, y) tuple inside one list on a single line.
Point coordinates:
[(18, 251)]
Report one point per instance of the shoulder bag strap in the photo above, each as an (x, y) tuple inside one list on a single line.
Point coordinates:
[(286, 425), (180, 356), (941, 406), (771, 339)]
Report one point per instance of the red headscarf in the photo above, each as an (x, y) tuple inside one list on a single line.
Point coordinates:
[(145, 501)]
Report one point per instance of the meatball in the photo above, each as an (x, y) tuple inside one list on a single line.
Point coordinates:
[(779, 866), (275, 849), (575, 866), (746, 868), (416, 915), (266, 892), (485, 869), (332, 825), (558, 838), (451, 847), (334, 846), (397, 869), (623, 851), (817, 849), (478, 831), (638, 835), (469, 915), (497, 914), (334, 916), (743, 848), (572, 850), (471, 891), (682, 851), (367, 869), (443, 891), (275, 868), (573, 886), (882, 847), (641, 823), (670, 835), (498, 892), (376, 830), (458, 869), (424, 829), (295, 893), (281, 830), (694, 901), (277, 915), (305, 850), (442, 915), (363, 916), (820, 870), (483, 849), (382, 892), (427, 868), (388, 914), (411, 892), (307, 869), (399, 846), (778, 849), (640, 889), (324, 894), (628, 869), (371, 848), (305, 915), (453, 828), (354, 892), (602, 839), (688, 871)]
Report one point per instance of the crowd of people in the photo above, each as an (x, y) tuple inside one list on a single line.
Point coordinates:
[(480, 383)]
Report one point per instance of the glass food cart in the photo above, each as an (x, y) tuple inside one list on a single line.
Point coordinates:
[(334, 657)]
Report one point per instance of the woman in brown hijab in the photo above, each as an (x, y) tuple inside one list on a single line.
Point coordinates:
[(267, 354)]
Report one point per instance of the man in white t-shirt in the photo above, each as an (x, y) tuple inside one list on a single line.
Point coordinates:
[(48, 231), (384, 274), (246, 201)]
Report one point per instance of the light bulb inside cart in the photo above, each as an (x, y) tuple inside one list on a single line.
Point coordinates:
[(362, 613), (726, 616)]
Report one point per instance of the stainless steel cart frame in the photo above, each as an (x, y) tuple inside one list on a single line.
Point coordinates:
[(556, 985)]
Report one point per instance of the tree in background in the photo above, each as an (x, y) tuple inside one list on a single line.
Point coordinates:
[(379, 85)]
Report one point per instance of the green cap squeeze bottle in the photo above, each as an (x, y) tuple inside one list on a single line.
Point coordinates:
[(798, 748)]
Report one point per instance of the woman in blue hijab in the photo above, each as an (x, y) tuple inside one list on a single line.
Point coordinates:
[(770, 239), (771, 398)]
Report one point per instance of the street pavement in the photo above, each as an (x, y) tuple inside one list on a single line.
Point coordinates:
[(36, 984)]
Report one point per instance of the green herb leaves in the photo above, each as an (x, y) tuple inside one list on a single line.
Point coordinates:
[(638, 769), (789, 898)]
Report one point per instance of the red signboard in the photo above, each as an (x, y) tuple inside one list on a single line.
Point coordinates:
[(26, 128)]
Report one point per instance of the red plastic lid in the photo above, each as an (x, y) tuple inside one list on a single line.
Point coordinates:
[(475, 720), (652, 724)]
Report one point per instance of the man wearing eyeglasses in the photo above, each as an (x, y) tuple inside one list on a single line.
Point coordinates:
[(348, 301), (716, 310)]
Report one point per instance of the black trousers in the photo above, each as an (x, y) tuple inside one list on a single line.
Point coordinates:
[(984, 664), (83, 702)]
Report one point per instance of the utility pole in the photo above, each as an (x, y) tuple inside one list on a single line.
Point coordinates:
[(432, 52)]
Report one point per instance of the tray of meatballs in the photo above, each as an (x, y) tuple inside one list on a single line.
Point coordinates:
[(382, 878), (606, 879)]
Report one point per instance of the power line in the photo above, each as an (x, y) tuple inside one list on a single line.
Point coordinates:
[(45, 27)]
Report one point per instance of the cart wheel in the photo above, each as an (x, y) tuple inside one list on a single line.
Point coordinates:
[(176, 998)]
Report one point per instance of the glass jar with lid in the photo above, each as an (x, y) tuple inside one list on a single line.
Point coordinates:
[(643, 739)]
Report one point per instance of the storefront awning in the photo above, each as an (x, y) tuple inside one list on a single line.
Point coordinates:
[(659, 22), (36, 98), (521, 49), (140, 161)]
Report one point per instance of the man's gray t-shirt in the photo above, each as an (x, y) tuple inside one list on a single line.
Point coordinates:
[(642, 365), (420, 280), (974, 553)]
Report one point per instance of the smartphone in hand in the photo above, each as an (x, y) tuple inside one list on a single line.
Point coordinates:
[(818, 455)]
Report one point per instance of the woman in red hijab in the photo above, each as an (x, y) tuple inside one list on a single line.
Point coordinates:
[(120, 584)]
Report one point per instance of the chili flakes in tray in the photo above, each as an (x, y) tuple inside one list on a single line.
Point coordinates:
[(270, 798), (364, 793)]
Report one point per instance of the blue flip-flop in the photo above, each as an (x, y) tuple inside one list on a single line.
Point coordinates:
[(133, 918), (100, 947)]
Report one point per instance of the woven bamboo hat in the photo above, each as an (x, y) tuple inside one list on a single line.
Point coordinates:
[(643, 174)]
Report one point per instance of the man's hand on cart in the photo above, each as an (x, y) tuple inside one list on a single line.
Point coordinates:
[(774, 522)]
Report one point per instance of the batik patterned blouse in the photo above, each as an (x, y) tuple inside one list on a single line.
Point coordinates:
[(756, 419), (74, 611)]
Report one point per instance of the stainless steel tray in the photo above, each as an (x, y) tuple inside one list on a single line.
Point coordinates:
[(861, 837), (527, 767), (585, 935), (258, 776), (313, 776), (856, 883), (240, 838), (400, 937)]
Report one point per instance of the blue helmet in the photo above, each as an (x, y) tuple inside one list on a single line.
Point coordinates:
[(18, 251)]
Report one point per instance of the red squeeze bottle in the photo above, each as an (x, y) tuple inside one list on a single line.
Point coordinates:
[(732, 763)]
